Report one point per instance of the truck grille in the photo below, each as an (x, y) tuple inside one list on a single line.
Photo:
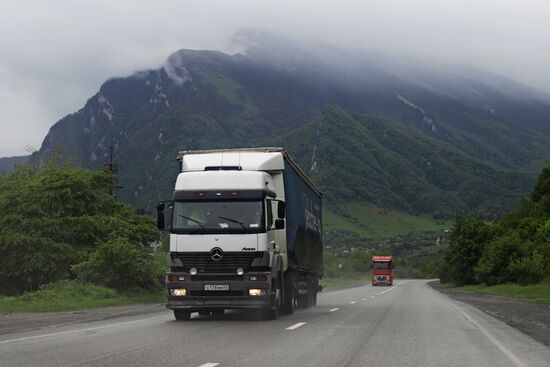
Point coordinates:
[(230, 262)]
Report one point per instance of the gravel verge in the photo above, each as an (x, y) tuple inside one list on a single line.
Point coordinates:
[(530, 318)]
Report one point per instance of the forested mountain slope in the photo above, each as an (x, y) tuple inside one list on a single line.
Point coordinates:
[(396, 133)]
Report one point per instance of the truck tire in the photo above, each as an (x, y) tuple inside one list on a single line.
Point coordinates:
[(310, 298), (314, 290), (272, 313), (289, 299), (303, 300), (182, 315)]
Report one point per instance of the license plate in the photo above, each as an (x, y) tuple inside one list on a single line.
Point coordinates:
[(216, 287)]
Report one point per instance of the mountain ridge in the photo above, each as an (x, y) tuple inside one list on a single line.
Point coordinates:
[(209, 99), (7, 164)]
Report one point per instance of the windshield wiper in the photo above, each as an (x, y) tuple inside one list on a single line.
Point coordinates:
[(234, 221), (192, 220)]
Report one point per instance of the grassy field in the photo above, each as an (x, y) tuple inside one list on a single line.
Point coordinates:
[(369, 221), (231, 90), (70, 295), (537, 293)]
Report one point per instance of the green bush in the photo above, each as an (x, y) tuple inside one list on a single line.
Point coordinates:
[(527, 269), (497, 255), (120, 265)]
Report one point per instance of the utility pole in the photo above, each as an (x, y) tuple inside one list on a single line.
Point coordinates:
[(111, 167)]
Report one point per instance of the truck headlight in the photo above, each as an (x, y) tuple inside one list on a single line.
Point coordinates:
[(193, 271), (178, 292), (240, 271), (256, 292)]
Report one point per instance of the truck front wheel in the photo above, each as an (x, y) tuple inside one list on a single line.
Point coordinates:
[(289, 300), (182, 315)]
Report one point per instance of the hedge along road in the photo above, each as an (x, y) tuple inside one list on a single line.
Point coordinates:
[(409, 324)]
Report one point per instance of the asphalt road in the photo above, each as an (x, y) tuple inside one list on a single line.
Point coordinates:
[(409, 324)]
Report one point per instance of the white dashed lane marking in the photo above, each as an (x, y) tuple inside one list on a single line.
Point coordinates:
[(334, 309), (296, 326), (209, 364), (353, 302)]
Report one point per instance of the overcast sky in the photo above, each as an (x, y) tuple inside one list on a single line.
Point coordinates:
[(55, 54)]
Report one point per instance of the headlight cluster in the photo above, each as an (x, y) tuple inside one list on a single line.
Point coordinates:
[(178, 292), (256, 292)]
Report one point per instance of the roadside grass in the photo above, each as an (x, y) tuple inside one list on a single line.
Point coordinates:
[(536, 293), (347, 280), (370, 221), (73, 295)]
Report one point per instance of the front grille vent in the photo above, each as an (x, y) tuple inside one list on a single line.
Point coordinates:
[(230, 262)]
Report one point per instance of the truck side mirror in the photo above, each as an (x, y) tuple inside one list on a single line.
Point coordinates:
[(281, 209), (160, 216), (279, 224)]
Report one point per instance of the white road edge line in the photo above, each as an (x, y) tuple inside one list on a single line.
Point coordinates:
[(502, 348), (333, 309), (209, 364), (72, 331), (296, 326)]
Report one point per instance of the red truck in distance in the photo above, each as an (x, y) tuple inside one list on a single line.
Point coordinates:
[(382, 270)]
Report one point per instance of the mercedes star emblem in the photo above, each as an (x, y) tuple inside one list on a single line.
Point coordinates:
[(216, 254)]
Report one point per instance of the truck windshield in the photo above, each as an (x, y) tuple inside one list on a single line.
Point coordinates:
[(218, 217), (381, 265)]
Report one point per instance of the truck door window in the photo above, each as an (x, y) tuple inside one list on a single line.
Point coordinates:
[(269, 213)]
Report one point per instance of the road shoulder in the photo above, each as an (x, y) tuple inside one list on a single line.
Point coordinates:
[(21, 322), (529, 318)]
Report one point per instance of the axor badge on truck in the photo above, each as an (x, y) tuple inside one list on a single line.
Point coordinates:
[(245, 232)]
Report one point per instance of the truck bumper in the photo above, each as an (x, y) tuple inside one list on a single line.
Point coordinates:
[(382, 280), (236, 296)]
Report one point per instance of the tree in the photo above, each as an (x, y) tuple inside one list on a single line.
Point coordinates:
[(53, 218), (466, 244)]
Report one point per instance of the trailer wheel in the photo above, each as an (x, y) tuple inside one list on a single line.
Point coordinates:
[(304, 300), (182, 315)]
